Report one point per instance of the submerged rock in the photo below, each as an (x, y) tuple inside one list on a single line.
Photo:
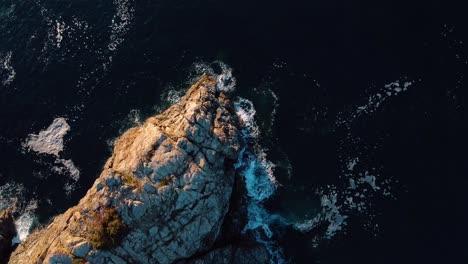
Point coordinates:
[(162, 196), (7, 233)]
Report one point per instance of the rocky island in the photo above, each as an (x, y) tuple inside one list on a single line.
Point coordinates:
[(170, 193)]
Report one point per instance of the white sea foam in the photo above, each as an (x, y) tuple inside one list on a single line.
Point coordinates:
[(260, 181), (7, 11), (24, 222), (332, 213), (257, 170), (49, 140), (374, 101), (369, 179), (352, 163), (81, 33), (354, 194), (275, 107), (7, 72), (258, 218), (67, 167), (172, 96), (12, 195), (337, 203), (134, 117), (121, 23), (50, 31), (225, 81), (246, 113), (60, 29)]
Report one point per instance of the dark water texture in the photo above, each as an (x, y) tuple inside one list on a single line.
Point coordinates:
[(319, 57)]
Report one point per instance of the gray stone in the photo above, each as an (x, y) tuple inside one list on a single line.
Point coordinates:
[(81, 250), (111, 182), (175, 206), (138, 209)]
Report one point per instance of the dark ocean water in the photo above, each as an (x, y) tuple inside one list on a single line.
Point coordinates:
[(104, 64)]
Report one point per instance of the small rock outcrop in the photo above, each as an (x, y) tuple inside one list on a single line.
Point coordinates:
[(7, 233), (162, 196)]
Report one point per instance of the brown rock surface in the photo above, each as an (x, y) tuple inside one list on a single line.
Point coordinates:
[(162, 196)]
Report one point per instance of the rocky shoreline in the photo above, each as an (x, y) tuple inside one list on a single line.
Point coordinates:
[(170, 193)]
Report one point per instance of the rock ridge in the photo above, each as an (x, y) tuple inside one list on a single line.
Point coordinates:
[(162, 196)]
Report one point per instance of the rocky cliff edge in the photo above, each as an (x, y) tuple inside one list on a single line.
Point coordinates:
[(162, 196)]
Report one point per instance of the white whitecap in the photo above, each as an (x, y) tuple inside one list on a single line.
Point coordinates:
[(66, 166), (374, 101), (260, 182), (259, 179), (172, 96), (12, 196), (24, 222), (49, 140), (225, 81), (246, 112), (7, 72), (60, 29), (120, 24)]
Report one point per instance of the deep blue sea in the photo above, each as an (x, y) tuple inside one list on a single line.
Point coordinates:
[(360, 105)]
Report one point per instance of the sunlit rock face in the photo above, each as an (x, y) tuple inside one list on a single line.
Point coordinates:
[(162, 196)]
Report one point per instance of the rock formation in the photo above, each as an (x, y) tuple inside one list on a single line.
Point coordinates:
[(7, 233), (162, 196)]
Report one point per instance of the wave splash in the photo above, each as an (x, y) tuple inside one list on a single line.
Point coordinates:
[(257, 170), (11, 195), (358, 185), (260, 181), (225, 81)]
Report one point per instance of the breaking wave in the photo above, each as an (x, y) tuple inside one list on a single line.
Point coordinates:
[(225, 81), (12, 195), (246, 112), (257, 170), (259, 179), (25, 222)]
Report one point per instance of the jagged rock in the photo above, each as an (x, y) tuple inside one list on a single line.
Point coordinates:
[(7, 233), (162, 196)]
